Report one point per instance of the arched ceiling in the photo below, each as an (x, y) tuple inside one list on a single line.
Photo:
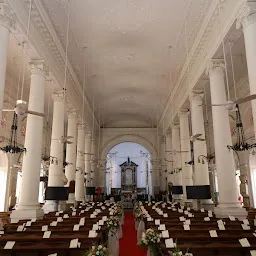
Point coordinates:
[(130, 67)]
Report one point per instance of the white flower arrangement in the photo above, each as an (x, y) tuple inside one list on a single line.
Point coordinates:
[(113, 224), (151, 240), (98, 250), (139, 215)]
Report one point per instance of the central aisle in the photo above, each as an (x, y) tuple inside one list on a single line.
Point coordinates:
[(128, 244)]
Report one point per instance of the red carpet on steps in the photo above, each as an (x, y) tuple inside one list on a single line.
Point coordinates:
[(128, 244)]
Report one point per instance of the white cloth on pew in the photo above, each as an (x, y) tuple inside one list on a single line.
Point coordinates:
[(113, 244), (141, 229)]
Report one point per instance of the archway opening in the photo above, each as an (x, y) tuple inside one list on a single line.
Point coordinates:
[(129, 169)]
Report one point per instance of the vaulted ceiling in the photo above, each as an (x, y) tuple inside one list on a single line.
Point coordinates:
[(134, 52)]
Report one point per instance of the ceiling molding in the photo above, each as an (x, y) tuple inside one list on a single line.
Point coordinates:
[(203, 49), (45, 40)]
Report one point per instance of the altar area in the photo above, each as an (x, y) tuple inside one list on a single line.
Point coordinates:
[(129, 188)]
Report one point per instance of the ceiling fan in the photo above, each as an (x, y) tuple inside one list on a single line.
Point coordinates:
[(64, 140), (231, 105), (21, 109), (195, 137)]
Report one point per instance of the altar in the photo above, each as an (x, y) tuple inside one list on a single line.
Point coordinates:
[(128, 182)]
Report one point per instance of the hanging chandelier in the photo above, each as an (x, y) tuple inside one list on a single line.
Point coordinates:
[(240, 145), (13, 147)]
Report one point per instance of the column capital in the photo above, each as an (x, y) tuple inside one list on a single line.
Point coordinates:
[(184, 112), (162, 139), (72, 113), (81, 126), (196, 95), (88, 134), (38, 67), (175, 125), (58, 96), (246, 15), (7, 16), (215, 65), (168, 134)]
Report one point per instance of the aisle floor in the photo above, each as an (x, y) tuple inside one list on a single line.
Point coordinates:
[(128, 244)]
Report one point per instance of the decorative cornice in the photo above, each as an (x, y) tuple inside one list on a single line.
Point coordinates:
[(38, 67), (46, 42), (6, 16), (246, 15), (205, 46)]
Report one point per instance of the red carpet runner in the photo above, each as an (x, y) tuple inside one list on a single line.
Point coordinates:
[(128, 244)]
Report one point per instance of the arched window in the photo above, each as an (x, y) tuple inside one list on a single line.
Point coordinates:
[(3, 179)]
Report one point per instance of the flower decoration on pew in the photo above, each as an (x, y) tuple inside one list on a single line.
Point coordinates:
[(118, 211), (113, 224), (139, 215), (97, 250), (137, 208), (151, 240), (178, 252)]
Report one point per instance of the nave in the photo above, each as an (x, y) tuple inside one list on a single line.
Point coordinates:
[(112, 230)]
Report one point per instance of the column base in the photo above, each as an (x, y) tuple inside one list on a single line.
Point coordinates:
[(205, 204), (71, 198), (80, 200), (23, 214), (50, 206), (223, 211)]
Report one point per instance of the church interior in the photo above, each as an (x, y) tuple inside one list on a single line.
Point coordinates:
[(127, 127)]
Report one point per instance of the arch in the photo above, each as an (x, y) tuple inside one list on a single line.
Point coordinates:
[(128, 138)]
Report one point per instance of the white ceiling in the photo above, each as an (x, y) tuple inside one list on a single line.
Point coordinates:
[(130, 69)]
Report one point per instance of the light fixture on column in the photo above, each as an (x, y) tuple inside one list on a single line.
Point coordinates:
[(202, 159), (54, 160), (66, 164), (13, 147), (240, 145)]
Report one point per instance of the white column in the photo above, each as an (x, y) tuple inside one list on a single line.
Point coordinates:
[(80, 186), (187, 170), (201, 169), (28, 206), (12, 186), (169, 157), (244, 171), (177, 173), (163, 165), (55, 176), (154, 179), (70, 169), (93, 163), (6, 22), (102, 174), (87, 158), (224, 158), (247, 17)]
